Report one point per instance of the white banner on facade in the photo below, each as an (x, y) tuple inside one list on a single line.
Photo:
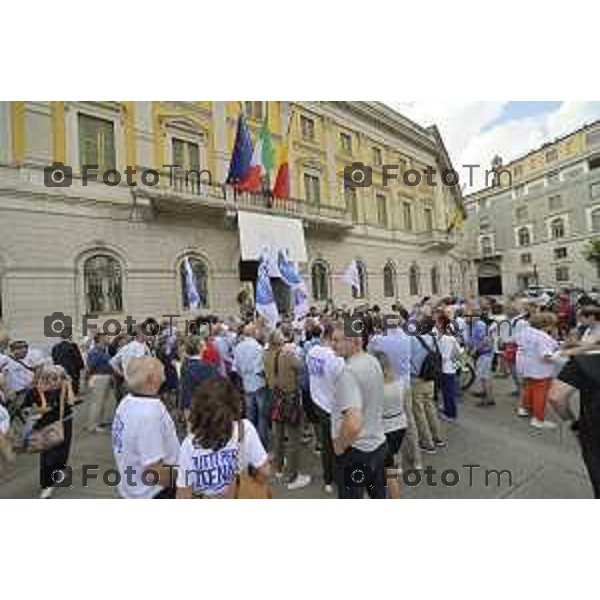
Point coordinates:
[(258, 231)]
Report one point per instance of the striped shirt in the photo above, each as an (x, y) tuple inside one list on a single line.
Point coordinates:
[(17, 376)]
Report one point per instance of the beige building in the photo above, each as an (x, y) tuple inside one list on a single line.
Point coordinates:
[(112, 251), (533, 228)]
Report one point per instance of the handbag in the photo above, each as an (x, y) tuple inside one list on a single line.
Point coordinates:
[(50, 435), (248, 487), (286, 406)]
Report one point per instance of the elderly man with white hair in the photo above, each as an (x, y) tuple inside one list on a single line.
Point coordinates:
[(144, 439)]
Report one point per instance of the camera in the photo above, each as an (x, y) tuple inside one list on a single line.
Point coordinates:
[(358, 475), (62, 478), (56, 323), (58, 175), (355, 325), (358, 175)]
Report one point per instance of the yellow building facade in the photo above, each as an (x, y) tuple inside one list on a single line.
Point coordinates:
[(116, 250)]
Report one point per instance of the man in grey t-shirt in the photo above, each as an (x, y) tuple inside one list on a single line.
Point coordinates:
[(357, 421)]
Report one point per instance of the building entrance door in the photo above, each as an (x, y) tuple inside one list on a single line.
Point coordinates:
[(489, 279)]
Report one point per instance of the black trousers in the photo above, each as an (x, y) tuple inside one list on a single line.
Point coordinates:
[(309, 407), (56, 458), (357, 472), (591, 457), (324, 425), (168, 493)]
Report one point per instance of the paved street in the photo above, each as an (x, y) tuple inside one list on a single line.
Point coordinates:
[(543, 464)]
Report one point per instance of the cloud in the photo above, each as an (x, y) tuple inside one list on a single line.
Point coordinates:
[(474, 134)]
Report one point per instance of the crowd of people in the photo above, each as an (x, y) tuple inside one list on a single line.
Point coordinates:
[(232, 398)]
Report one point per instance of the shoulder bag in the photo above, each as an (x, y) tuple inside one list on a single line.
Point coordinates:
[(52, 434), (248, 487)]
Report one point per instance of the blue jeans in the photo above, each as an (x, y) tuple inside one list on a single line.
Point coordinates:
[(449, 394), (257, 411)]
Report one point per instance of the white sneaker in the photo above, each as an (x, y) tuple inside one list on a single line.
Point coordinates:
[(522, 412), (418, 466), (300, 482), (542, 424), (46, 493), (328, 489)]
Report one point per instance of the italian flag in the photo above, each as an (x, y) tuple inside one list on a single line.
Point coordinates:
[(281, 189), (262, 163)]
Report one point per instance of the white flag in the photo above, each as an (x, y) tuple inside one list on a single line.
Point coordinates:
[(291, 276), (191, 287), (352, 277), (265, 300), (300, 294)]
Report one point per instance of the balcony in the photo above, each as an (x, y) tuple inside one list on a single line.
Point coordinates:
[(437, 240), (176, 194), (315, 215), (172, 195)]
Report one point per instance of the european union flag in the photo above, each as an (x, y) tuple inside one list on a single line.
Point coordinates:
[(242, 153)]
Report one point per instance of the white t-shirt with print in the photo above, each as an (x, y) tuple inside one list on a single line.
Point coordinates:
[(143, 434), (324, 367), (211, 472)]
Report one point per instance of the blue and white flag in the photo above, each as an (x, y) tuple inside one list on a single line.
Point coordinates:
[(191, 287), (300, 294), (352, 276), (287, 270), (291, 276), (265, 300)]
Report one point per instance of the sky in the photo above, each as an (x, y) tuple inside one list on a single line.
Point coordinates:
[(475, 132)]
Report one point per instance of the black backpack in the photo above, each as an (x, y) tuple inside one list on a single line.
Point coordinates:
[(431, 369)]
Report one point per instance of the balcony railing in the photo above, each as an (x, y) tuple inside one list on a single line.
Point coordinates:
[(438, 239), (311, 211), (192, 191), (173, 192)]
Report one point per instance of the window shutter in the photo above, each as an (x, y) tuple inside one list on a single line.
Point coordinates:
[(194, 156), (178, 152)]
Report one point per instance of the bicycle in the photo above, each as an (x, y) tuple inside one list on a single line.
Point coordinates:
[(465, 370)]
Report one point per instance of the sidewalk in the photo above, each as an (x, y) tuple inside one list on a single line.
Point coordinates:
[(543, 464)]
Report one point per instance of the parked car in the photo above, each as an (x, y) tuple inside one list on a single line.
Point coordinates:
[(535, 291)]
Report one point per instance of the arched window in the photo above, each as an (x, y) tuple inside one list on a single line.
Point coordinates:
[(389, 280), (413, 280), (486, 246), (362, 280), (557, 229), (524, 237), (595, 218), (199, 280), (320, 280), (435, 281), (103, 285)]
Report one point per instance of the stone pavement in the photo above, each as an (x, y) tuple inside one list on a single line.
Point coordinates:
[(543, 464)]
